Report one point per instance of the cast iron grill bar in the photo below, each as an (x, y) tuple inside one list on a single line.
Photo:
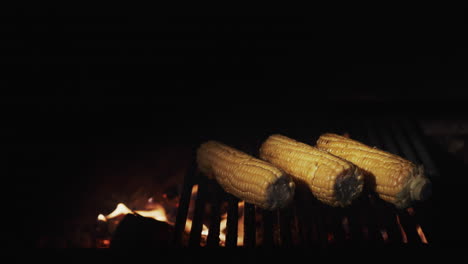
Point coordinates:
[(296, 238), (387, 211), (372, 215), (423, 218), (320, 228), (302, 218), (215, 214), (307, 222), (197, 221), (388, 142), (307, 225), (406, 221), (332, 219), (372, 211), (232, 218), (421, 215), (409, 225), (249, 225), (371, 138), (268, 228), (184, 201), (360, 215), (250, 221), (287, 226), (407, 150), (415, 137)]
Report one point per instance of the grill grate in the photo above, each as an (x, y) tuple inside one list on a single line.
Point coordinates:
[(307, 222)]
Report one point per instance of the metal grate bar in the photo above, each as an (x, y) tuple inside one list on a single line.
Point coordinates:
[(231, 225), (370, 137), (336, 233), (321, 228), (287, 226), (387, 139), (249, 225), (406, 149), (184, 201), (307, 222), (415, 137), (373, 219), (409, 225), (370, 216), (197, 222), (388, 218), (268, 240), (300, 217), (215, 214)]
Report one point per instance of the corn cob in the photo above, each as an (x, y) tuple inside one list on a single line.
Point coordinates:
[(332, 180), (252, 180), (395, 179)]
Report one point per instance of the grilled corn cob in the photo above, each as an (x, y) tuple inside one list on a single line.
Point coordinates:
[(253, 180), (395, 179), (332, 180)]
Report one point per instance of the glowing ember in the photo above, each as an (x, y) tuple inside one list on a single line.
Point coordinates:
[(157, 211), (103, 243), (421, 234), (384, 234)]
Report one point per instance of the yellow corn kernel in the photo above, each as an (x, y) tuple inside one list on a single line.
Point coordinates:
[(394, 178), (332, 180), (252, 180)]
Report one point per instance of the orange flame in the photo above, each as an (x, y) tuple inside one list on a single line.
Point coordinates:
[(119, 210), (404, 238), (222, 230), (102, 218), (240, 224), (188, 227), (158, 212), (421, 234)]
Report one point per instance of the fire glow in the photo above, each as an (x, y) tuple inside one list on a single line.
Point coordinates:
[(188, 222), (240, 226), (158, 212)]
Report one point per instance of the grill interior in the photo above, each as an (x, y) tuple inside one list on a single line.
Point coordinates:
[(307, 222)]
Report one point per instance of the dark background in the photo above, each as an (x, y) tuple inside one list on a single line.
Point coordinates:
[(78, 87)]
